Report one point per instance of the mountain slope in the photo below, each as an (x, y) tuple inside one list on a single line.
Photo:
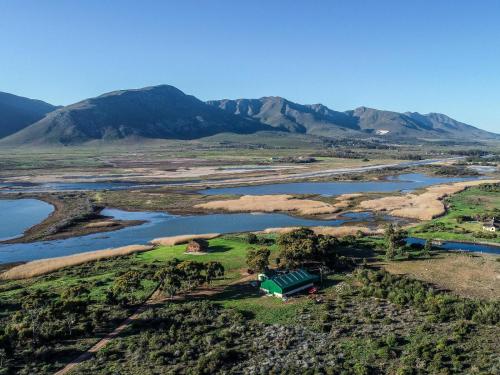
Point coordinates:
[(443, 123), (151, 112), (318, 119), (283, 114), (17, 112), (164, 112)]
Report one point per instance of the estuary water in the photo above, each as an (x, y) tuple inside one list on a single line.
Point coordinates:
[(406, 182), (17, 215), (158, 225)]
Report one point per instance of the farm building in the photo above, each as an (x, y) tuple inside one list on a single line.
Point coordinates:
[(491, 226), (289, 283), (197, 246)]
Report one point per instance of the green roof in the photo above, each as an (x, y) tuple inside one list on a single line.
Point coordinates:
[(288, 281)]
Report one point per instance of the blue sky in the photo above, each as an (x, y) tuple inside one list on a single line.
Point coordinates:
[(427, 55)]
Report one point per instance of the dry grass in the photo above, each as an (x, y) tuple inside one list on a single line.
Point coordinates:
[(348, 230), (273, 203), (466, 275), (177, 240), (44, 266), (101, 224), (425, 206)]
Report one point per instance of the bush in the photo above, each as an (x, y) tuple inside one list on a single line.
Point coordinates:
[(252, 238), (444, 307)]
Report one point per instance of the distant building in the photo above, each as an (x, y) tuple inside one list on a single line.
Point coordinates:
[(197, 246), (491, 226), (289, 283)]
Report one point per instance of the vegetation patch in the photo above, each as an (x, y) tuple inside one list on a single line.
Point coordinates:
[(466, 212), (425, 206)]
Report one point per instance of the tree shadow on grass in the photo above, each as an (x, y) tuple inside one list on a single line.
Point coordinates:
[(357, 251), (237, 291), (218, 249)]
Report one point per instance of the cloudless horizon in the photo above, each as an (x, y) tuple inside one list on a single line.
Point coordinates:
[(424, 56)]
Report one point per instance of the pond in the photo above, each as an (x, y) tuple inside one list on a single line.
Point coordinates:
[(159, 225), (460, 246), (17, 215), (406, 182)]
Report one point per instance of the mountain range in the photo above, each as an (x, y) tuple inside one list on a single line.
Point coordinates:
[(165, 112), (17, 112)]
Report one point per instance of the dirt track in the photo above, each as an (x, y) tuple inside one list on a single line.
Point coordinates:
[(156, 298)]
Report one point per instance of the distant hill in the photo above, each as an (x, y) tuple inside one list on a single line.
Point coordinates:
[(17, 112), (165, 112), (151, 112), (318, 119), (286, 115)]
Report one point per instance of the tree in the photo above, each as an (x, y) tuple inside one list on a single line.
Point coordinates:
[(169, 278), (34, 307), (258, 260), (125, 285), (252, 238), (213, 270), (70, 321), (395, 239), (427, 248), (390, 250), (3, 358), (303, 245), (74, 291), (170, 284), (191, 274)]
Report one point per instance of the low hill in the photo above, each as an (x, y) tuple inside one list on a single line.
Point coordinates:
[(17, 112), (151, 112)]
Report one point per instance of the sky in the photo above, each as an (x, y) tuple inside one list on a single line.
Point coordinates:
[(426, 55)]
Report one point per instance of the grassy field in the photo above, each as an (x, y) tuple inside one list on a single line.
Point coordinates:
[(229, 250), (467, 275), (469, 203)]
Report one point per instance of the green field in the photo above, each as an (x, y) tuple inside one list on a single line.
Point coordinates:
[(452, 226)]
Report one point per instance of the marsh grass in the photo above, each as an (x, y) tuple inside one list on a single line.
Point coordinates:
[(45, 266), (425, 206)]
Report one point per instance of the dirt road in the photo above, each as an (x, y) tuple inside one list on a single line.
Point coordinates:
[(155, 299), (314, 174)]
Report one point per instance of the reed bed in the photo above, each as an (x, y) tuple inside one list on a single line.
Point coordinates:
[(273, 203), (101, 224), (45, 266), (349, 230), (177, 240)]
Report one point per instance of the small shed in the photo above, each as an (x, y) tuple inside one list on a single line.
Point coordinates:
[(491, 225), (197, 246), (288, 283)]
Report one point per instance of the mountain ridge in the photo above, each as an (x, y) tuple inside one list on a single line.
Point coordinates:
[(151, 112), (17, 112), (165, 112), (361, 121)]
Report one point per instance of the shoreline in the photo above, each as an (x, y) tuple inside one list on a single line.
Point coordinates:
[(61, 223)]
